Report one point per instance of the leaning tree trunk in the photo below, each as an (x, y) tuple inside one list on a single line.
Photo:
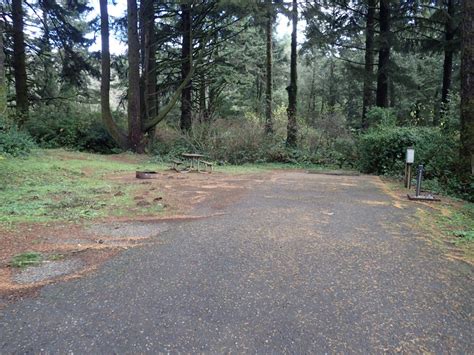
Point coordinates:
[(467, 93), (292, 128), (117, 135), (186, 57), (369, 61), (384, 54), (448, 61), (3, 83), (19, 62), (269, 64)]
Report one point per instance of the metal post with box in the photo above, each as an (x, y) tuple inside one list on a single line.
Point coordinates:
[(409, 160)]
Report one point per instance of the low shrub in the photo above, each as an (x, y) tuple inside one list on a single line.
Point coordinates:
[(244, 141), (382, 150), (76, 128), (14, 142)]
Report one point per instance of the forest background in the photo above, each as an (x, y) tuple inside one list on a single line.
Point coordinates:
[(352, 85)]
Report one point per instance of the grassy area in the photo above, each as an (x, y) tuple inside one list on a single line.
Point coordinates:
[(457, 223), (26, 259), (449, 221), (263, 167), (54, 185), (60, 185)]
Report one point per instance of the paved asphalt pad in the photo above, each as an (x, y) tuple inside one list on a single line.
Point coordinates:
[(302, 263)]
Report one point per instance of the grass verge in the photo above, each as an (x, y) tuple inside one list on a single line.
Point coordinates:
[(449, 222), (58, 185)]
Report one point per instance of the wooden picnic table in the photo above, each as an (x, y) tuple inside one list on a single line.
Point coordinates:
[(193, 159)]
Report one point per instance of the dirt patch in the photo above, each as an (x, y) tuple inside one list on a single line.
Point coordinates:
[(171, 197), (191, 194)]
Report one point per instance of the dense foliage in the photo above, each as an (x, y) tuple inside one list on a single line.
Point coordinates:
[(370, 78), (13, 142)]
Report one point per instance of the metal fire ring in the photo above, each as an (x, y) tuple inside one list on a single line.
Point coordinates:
[(146, 175)]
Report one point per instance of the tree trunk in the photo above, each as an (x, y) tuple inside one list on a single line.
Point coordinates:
[(312, 98), (50, 85), (19, 62), (369, 61), (135, 133), (148, 50), (269, 64), (332, 87), (393, 93), (211, 103), (258, 96), (202, 100), (448, 61), (3, 83), (186, 57), (109, 123), (467, 93), (148, 81), (384, 54), (292, 128)]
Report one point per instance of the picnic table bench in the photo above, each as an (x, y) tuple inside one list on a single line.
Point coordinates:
[(208, 165), (175, 163), (192, 162), (193, 159)]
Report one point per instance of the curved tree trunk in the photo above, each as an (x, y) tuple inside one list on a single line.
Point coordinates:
[(19, 62), (467, 93), (292, 128), (369, 61), (114, 131), (384, 54)]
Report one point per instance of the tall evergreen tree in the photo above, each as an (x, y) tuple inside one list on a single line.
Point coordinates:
[(467, 92), (369, 60), (3, 82), (19, 62), (292, 128), (384, 54), (138, 122), (448, 57), (269, 68), (135, 132), (186, 65)]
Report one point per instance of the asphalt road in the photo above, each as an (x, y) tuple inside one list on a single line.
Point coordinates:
[(301, 264)]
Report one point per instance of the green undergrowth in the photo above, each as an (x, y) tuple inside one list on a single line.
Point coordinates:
[(55, 185), (450, 220), (459, 223), (265, 167), (32, 258), (26, 259), (454, 219)]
